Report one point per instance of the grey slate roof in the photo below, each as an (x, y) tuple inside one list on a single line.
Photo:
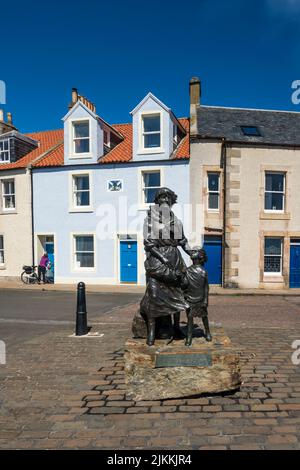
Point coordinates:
[(275, 127)]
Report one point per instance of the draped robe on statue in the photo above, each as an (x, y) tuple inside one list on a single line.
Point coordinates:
[(163, 234)]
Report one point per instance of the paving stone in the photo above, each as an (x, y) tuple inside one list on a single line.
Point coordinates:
[(266, 422), (264, 407), (115, 398), (289, 407), (107, 410), (282, 439), (246, 446), (191, 408), (120, 403), (162, 409), (76, 443), (95, 404), (135, 410), (213, 448), (212, 408)]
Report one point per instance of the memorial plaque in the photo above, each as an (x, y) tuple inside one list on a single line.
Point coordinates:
[(183, 360)]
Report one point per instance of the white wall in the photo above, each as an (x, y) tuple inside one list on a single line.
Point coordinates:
[(15, 226), (52, 214)]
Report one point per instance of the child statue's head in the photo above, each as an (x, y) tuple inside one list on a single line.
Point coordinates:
[(198, 255)]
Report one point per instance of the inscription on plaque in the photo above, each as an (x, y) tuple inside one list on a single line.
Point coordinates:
[(183, 360)]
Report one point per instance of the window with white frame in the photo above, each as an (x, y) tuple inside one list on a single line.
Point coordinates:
[(213, 184), (151, 130), (81, 190), (273, 255), (8, 195), (1, 249), (81, 136), (151, 183), (274, 192), (84, 254), (4, 151)]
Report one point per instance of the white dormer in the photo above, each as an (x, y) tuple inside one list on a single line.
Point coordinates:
[(154, 130), (83, 135)]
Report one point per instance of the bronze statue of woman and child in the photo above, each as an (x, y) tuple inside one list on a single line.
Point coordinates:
[(172, 287)]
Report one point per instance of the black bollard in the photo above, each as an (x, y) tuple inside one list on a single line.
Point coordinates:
[(81, 313)]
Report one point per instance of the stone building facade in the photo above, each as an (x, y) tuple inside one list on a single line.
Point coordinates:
[(245, 171)]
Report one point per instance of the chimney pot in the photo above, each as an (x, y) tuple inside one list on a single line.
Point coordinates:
[(9, 118), (195, 90), (1, 115)]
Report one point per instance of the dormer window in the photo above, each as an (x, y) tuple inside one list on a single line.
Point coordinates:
[(81, 137), (151, 130), (4, 151)]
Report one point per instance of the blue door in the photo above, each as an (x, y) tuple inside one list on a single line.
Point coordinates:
[(213, 248), (128, 261), (295, 266), (49, 248)]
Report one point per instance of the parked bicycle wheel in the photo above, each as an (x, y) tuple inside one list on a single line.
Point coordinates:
[(29, 278)]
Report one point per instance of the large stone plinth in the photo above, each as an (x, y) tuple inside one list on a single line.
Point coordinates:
[(175, 370)]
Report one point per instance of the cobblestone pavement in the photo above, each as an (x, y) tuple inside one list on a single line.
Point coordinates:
[(62, 392)]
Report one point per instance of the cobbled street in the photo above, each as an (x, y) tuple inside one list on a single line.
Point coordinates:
[(63, 392)]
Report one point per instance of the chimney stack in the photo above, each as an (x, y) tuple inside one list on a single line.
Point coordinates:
[(76, 97), (1, 115), (195, 94), (9, 118), (195, 90)]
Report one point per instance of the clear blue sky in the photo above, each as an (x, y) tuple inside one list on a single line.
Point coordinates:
[(246, 53)]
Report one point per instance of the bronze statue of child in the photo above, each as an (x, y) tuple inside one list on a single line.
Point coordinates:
[(195, 288)]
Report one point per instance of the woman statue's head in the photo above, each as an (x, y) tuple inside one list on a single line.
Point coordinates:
[(165, 196)]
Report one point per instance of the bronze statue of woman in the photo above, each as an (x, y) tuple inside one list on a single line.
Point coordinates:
[(164, 265)]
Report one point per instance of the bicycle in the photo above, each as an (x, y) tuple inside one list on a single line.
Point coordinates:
[(29, 275)]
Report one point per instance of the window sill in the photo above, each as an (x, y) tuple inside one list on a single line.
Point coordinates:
[(84, 270), (273, 277), (12, 211), (275, 215), (75, 210), (2, 267), (150, 151), (80, 156)]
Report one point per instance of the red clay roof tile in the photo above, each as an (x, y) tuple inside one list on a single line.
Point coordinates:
[(51, 144), (47, 140)]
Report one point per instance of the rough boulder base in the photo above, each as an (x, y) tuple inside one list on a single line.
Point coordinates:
[(147, 379)]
